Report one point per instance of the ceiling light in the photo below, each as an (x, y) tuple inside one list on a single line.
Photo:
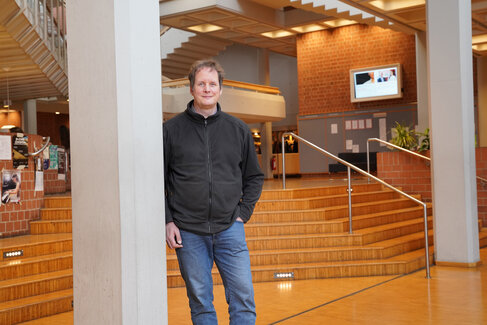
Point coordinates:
[(57, 113), (205, 28), (477, 39), (480, 47), (339, 22), (277, 33), (396, 5), (308, 28)]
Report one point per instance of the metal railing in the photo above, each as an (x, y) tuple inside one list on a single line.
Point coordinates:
[(370, 176), (44, 146), (482, 180)]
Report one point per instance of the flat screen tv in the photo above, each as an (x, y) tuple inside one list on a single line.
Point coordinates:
[(376, 83)]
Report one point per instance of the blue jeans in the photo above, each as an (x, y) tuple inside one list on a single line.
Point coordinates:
[(228, 249)]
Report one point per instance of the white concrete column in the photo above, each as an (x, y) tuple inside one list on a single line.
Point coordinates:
[(482, 100), (30, 116), (422, 81), (117, 171), (452, 131)]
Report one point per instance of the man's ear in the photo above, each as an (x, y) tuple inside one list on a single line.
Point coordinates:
[(191, 91)]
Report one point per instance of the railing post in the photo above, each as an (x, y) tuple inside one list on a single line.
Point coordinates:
[(368, 161), (349, 200), (426, 242), (283, 164)]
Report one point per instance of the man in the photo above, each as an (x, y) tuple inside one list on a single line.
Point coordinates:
[(213, 181)]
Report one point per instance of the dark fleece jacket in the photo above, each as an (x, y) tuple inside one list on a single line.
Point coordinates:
[(211, 171)]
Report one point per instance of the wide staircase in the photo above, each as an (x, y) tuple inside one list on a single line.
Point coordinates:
[(298, 232), (304, 234), (37, 279)]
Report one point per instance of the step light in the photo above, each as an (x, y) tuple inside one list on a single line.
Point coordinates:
[(15, 253), (284, 275)]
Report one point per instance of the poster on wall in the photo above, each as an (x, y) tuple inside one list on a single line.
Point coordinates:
[(53, 157), (5, 147), (61, 163), (45, 158), (11, 181), (39, 181), (20, 151)]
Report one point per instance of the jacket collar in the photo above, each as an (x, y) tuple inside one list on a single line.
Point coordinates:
[(198, 118)]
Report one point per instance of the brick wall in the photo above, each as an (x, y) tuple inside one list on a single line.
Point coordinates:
[(52, 183), (401, 169), (414, 176), (15, 217), (325, 58)]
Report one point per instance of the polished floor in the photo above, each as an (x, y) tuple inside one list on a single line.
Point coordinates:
[(452, 295)]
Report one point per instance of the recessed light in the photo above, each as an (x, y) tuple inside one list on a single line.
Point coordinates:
[(339, 22), (277, 33), (308, 28), (205, 28)]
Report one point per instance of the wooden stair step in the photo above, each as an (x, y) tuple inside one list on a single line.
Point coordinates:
[(35, 265), (56, 213), (325, 201), (386, 217), (57, 202), (329, 254), (302, 241), (25, 309), (330, 226), (51, 226), (36, 245), (308, 192), (36, 284), (392, 230), (402, 264), (329, 213)]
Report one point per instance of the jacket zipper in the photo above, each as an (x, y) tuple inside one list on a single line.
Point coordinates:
[(209, 174)]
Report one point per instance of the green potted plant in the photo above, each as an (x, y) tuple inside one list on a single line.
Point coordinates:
[(424, 143), (404, 137)]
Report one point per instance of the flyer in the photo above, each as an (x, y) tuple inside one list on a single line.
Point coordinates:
[(11, 181), (53, 162), (61, 163), (20, 151)]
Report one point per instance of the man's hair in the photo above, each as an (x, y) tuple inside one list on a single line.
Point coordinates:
[(208, 63)]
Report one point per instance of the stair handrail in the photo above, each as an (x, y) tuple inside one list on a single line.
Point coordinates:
[(349, 189), (388, 144), (44, 146)]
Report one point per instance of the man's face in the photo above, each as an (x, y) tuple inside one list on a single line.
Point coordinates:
[(206, 90)]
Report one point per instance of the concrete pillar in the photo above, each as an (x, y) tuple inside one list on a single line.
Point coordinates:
[(422, 81), (30, 116), (266, 128), (482, 100), (452, 132), (117, 171)]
